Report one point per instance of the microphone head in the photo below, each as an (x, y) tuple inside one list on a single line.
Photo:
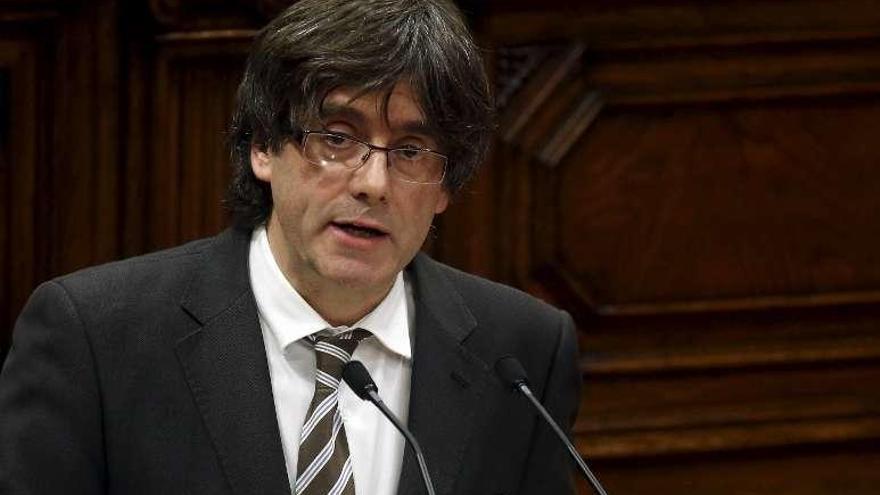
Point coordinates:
[(358, 378), (511, 371)]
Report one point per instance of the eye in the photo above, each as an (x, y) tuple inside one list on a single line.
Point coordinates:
[(338, 141), (409, 153)]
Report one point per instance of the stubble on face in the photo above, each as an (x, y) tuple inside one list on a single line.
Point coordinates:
[(342, 236)]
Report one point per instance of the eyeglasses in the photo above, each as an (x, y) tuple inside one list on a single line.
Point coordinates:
[(407, 164)]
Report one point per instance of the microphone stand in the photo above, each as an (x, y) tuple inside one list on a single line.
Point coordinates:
[(423, 466), (594, 482), (358, 378)]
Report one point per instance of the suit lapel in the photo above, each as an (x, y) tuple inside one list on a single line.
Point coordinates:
[(447, 381), (225, 365), (224, 362)]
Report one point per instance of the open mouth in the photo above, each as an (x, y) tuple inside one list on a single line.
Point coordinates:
[(359, 230)]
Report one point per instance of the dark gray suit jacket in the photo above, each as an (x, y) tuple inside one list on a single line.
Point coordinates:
[(149, 376)]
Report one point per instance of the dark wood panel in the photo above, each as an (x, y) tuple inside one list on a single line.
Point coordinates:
[(753, 203), (716, 410), (61, 210), (696, 184), (736, 73), (5, 186), (724, 340), (84, 173), (20, 145), (850, 468), (205, 171), (671, 24), (193, 97)]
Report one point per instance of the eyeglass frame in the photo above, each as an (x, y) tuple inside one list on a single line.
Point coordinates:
[(304, 134)]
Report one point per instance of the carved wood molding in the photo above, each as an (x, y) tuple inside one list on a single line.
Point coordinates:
[(831, 351), (514, 65), (569, 287), (665, 25), (528, 76), (206, 15), (208, 37), (532, 83), (731, 409), (723, 75), (744, 436)]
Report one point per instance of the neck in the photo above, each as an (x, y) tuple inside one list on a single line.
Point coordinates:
[(339, 304)]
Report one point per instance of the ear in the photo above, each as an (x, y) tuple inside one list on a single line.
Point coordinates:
[(261, 163), (442, 201)]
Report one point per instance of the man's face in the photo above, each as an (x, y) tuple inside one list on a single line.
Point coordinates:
[(317, 226)]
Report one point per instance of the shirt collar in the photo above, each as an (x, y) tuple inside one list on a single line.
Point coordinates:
[(290, 318)]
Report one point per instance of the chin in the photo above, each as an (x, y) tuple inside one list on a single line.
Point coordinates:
[(358, 274)]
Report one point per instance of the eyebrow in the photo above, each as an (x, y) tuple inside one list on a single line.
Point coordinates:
[(330, 109), (333, 109)]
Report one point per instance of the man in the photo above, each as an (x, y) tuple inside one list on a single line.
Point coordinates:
[(205, 369)]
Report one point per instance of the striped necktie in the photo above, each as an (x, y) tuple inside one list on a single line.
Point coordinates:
[(324, 465)]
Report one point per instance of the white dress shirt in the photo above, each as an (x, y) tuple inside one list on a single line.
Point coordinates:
[(376, 447)]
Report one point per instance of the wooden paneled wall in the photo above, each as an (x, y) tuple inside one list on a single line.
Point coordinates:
[(697, 182), (60, 139)]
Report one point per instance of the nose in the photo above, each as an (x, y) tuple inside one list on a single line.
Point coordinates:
[(369, 182)]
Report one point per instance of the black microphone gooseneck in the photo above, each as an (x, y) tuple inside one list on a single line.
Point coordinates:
[(512, 373), (358, 378)]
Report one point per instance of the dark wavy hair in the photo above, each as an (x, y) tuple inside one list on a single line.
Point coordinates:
[(316, 46)]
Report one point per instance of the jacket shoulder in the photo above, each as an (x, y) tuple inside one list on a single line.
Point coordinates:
[(484, 296), (497, 305), (139, 273)]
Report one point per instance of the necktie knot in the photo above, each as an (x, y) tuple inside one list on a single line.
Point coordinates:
[(332, 353)]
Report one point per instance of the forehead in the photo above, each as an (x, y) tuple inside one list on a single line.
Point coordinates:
[(397, 108)]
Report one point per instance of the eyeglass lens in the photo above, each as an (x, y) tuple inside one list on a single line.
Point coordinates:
[(411, 165)]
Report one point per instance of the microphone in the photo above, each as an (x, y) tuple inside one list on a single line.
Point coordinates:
[(512, 373), (358, 378)]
